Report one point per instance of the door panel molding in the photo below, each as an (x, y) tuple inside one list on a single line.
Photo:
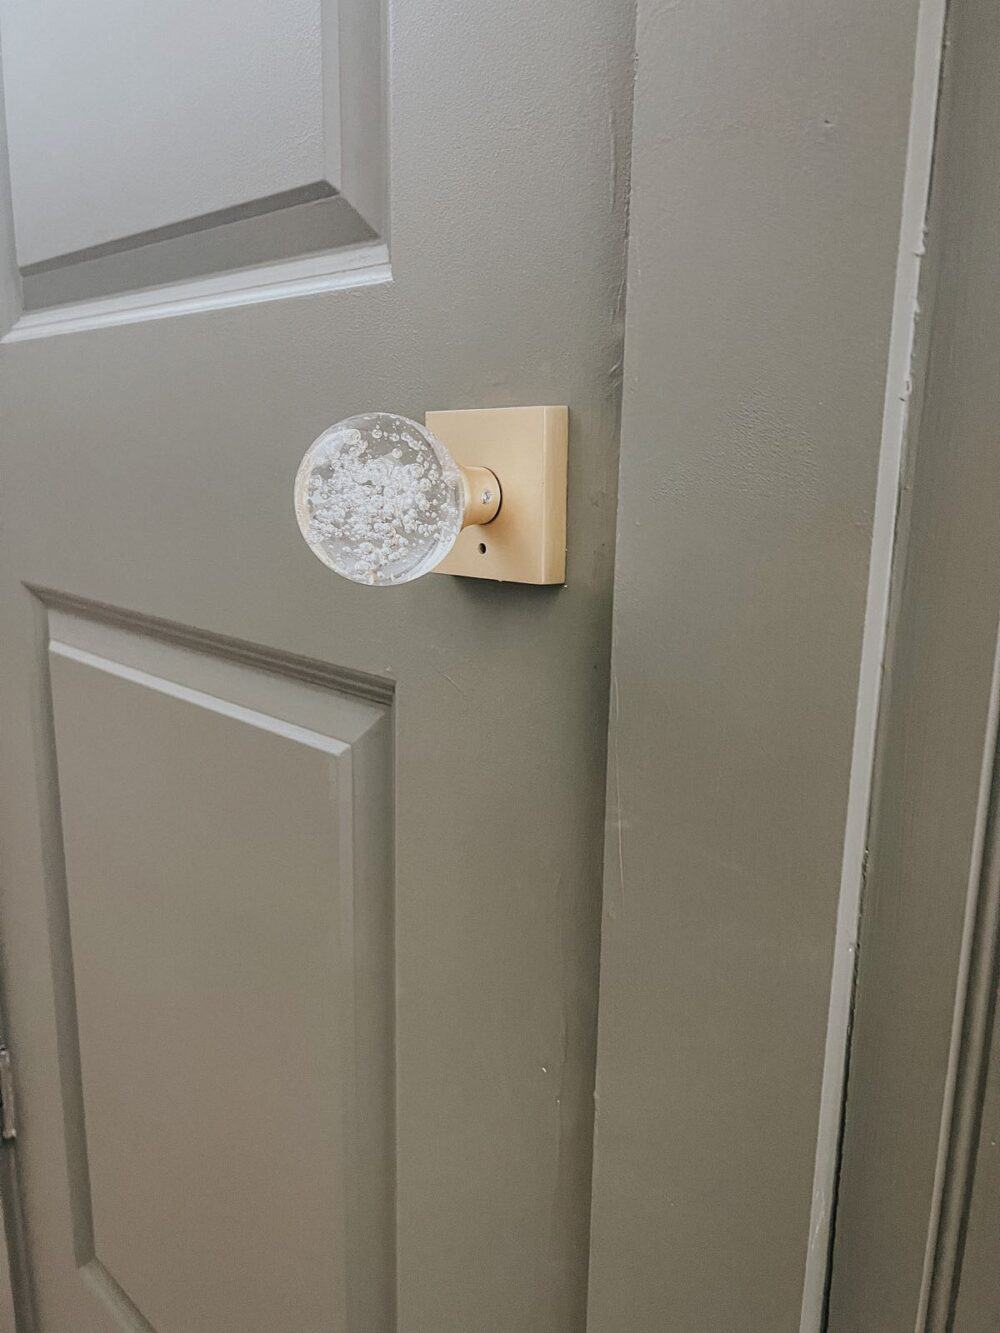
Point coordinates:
[(375, 689), (322, 217), (361, 266), (287, 230), (102, 670)]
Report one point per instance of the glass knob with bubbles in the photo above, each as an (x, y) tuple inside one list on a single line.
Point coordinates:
[(380, 499)]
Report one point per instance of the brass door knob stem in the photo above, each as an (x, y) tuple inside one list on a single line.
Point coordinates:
[(482, 496)]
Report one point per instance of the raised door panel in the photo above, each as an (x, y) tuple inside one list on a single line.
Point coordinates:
[(150, 144), (223, 934)]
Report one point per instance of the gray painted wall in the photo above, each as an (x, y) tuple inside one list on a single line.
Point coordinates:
[(769, 149)]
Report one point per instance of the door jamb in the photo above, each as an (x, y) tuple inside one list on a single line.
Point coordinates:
[(924, 107)]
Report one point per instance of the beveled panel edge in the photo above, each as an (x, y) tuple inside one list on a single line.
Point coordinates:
[(358, 159), (323, 226), (337, 270), (62, 964), (253, 717), (221, 217), (126, 1313), (358, 684)]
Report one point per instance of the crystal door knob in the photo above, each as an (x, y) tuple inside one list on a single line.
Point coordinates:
[(381, 500)]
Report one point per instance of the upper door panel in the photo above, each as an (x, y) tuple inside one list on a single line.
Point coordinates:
[(153, 144)]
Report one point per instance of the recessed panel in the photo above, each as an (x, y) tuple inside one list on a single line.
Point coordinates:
[(223, 861), (126, 117), (151, 145)]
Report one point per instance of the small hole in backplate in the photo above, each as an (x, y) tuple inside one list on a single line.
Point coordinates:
[(482, 548)]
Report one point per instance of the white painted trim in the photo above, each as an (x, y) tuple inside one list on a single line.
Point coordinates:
[(359, 266), (898, 387)]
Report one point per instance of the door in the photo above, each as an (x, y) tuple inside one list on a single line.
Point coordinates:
[(301, 879), (918, 1215)]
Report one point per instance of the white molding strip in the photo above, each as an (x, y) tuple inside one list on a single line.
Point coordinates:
[(916, 190), (359, 266)]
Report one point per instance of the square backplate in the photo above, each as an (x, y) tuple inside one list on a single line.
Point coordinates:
[(526, 448)]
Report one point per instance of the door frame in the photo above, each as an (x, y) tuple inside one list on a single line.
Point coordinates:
[(923, 998)]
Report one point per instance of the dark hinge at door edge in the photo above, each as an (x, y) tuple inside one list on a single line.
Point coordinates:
[(8, 1119), (12, 1230)]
